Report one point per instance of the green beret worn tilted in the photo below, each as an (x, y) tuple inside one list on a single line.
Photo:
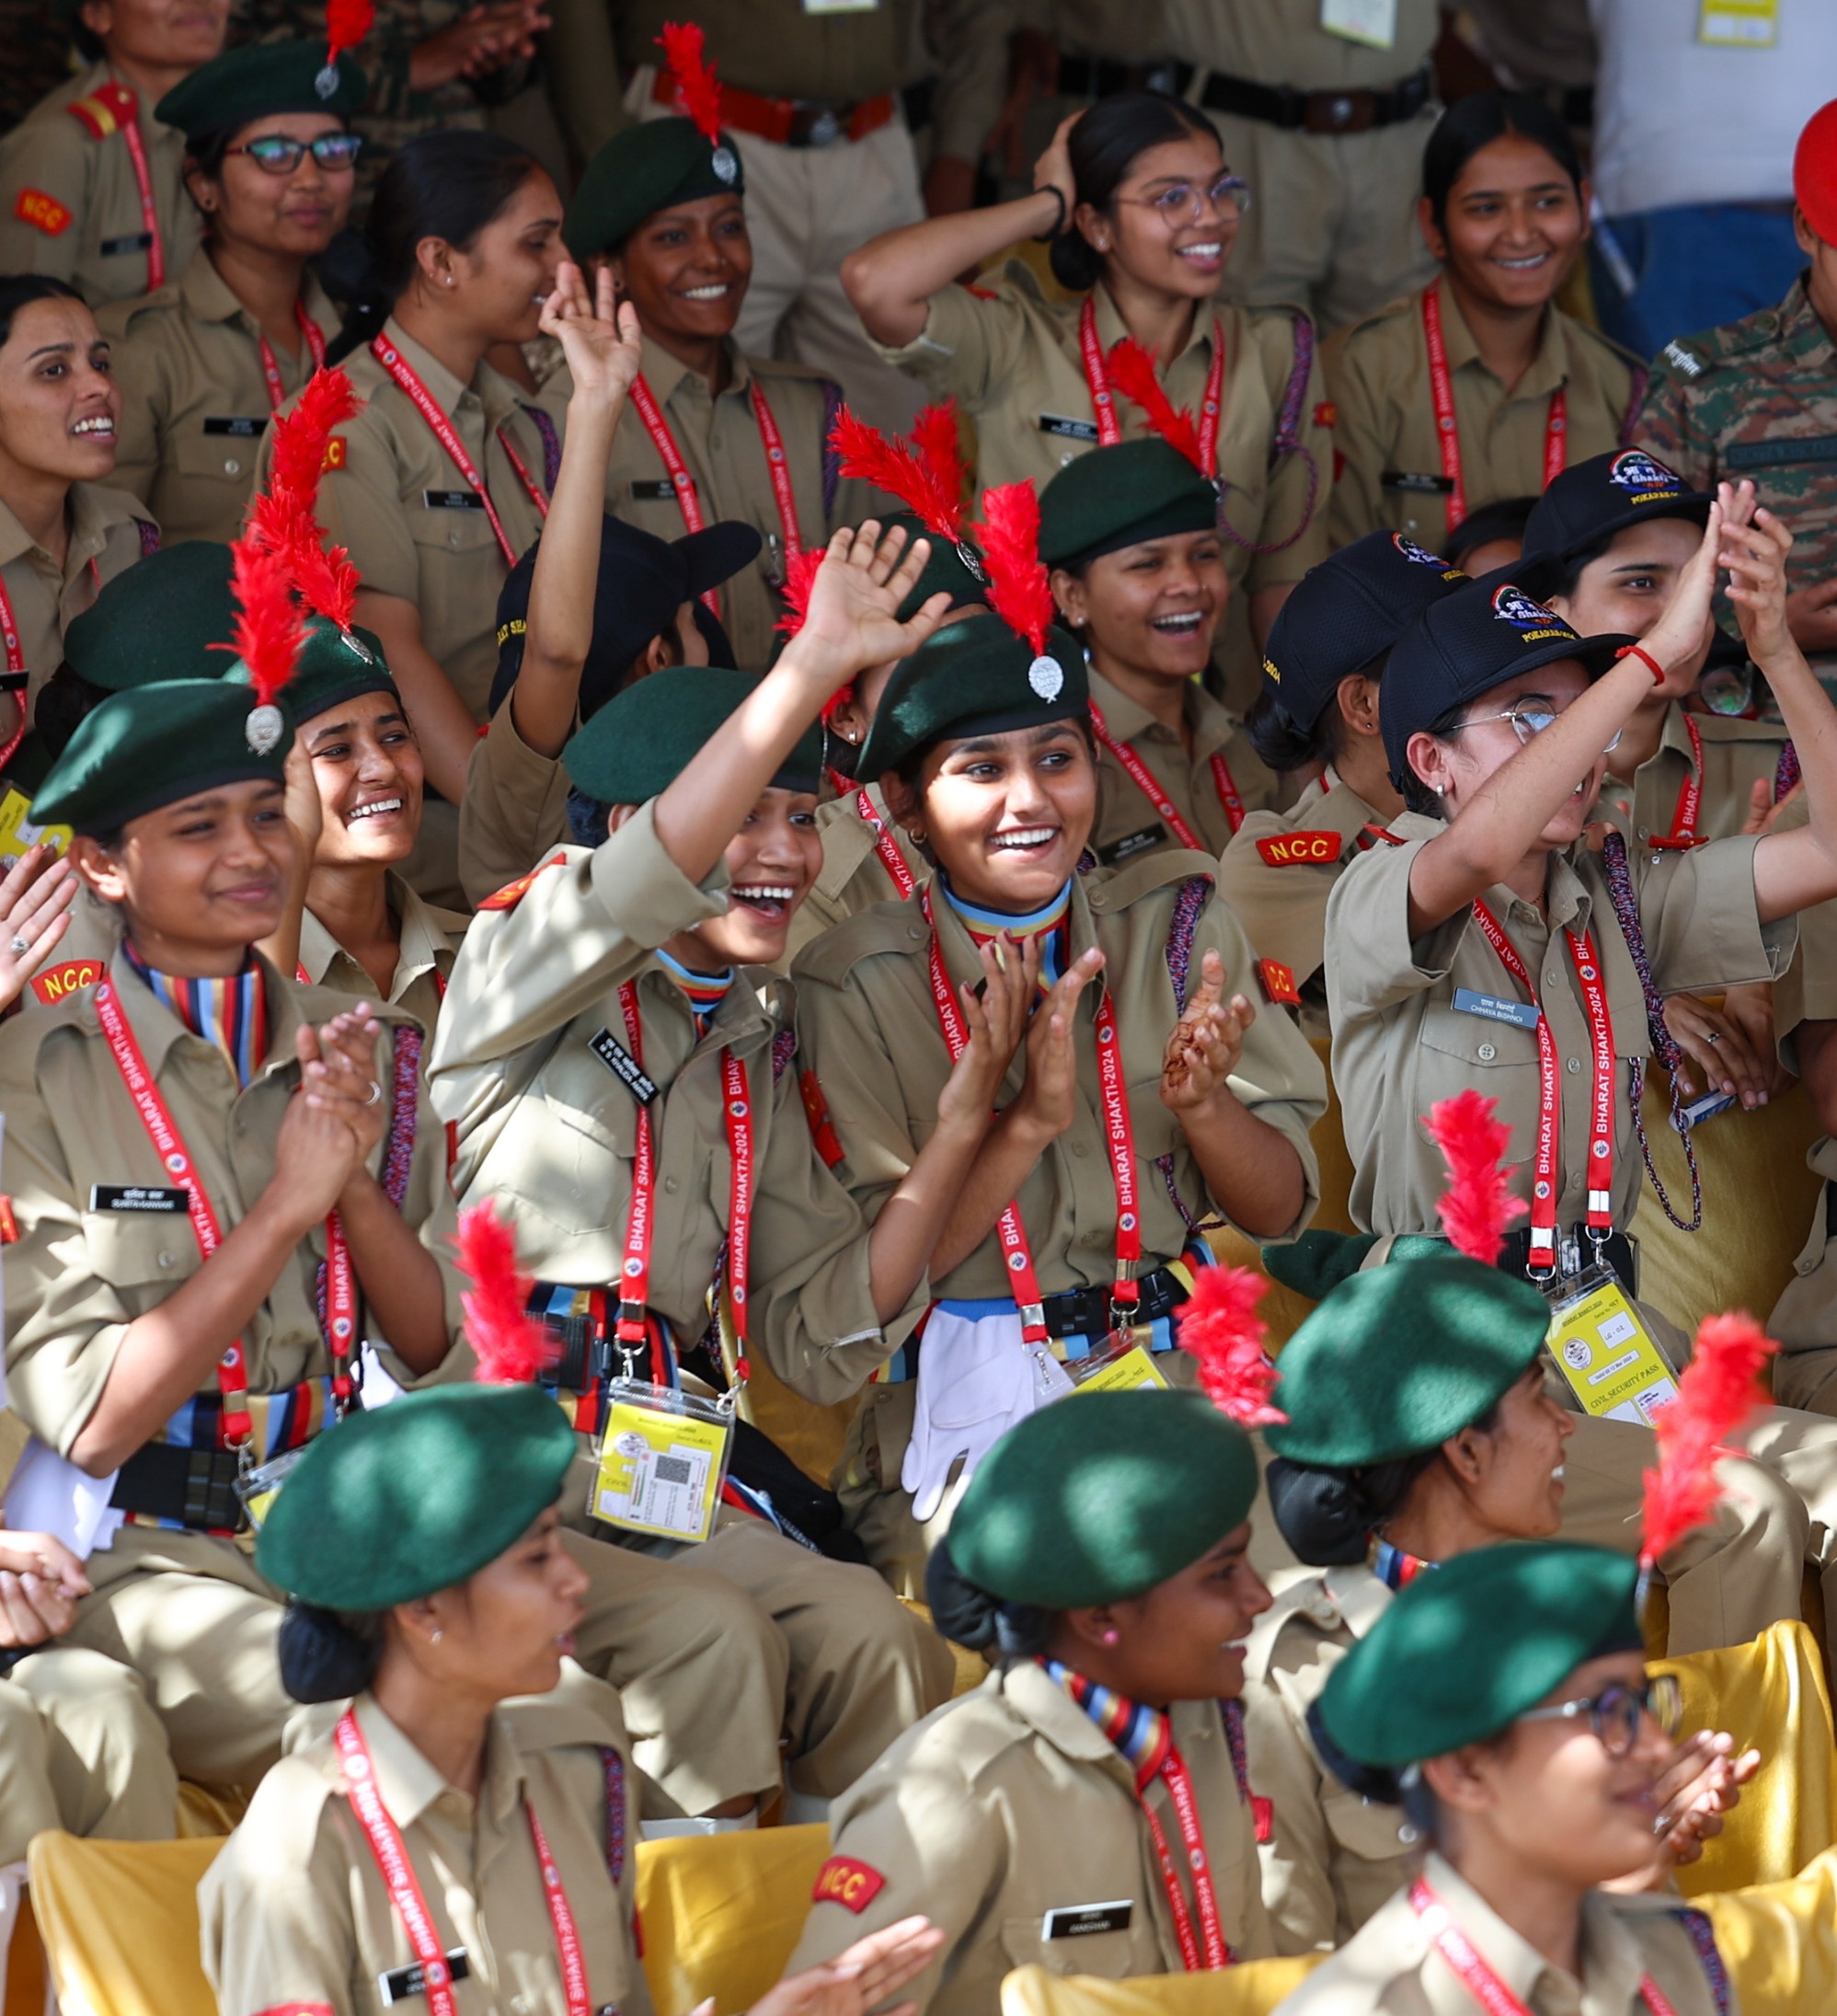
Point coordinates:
[(642, 740), (646, 169), (1119, 497), (334, 665), (951, 569), (168, 617), (1398, 1358), (1102, 1496), (257, 81), (399, 1501), (1460, 1655)]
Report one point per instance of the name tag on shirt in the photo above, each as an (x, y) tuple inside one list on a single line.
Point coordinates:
[(624, 1066), (399, 1983), (1418, 484), (15, 681), (1079, 1920), (1068, 428), (1493, 1007), (653, 490), (1371, 22), (136, 241), (1784, 451), (452, 500), (1132, 844), (241, 426), (141, 1197)]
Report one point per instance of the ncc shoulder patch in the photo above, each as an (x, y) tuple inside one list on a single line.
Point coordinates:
[(43, 213), (1279, 983), (1326, 414), (104, 111), (10, 1224), (513, 893), (59, 982), (335, 452), (1303, 848), (981, 293), (854, 1885)]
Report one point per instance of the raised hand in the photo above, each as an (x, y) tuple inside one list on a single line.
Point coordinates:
[(1755, 556), (35, 899), (1205, 1046), (852, 621), (995, 1018), (1680, 638), (599, 335), (1053, 169), (1049, 1097)]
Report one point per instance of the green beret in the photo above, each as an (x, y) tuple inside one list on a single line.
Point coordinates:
[(642, 170), (1397, 1359), (167, 617), (1115, 496), (259, 79), (1317, 1262), (1460, 1655), (974, 676), (1101, 1496), (642, 741), (952, 569), (399, 1501), (151, 745), (335, 665)]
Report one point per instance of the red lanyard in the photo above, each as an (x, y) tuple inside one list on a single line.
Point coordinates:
[(1216, 1954), (128, 112), (1549, 1176), (1683, 833), (442, 428), (737, 1100), (886, 847), (1448, 433), (1118, 1140), (1143, 780), (271, 370), (1103, 400), (391, 1853), (15, 663), (777, 467), (1474, 1973)]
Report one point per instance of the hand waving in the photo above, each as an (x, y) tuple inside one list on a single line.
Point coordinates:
[(598, 335), (853, 617), (35, 899)]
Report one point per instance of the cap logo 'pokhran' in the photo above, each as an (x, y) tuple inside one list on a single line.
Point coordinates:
[(1523, 613), (1047, 678), (1420, 555), (1636, 470)]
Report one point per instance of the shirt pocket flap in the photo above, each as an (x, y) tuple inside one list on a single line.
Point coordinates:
[(1471, 1053), (1365, 1827), (139, 1249), (228, 460), (1112, 1955), (439, 517)]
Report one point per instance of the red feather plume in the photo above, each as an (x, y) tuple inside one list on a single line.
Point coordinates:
[(1132, 368), (1478, 1204), (1009, 535), (931, 488), (510, 1346), (303, 435), (268, 633), (1222, 1328), (697, 89), (348, 24), (1716, 1391), (940, 448), (284, 518)]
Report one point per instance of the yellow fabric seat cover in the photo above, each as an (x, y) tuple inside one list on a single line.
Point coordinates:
[(1253, 1989), (119, 1923)]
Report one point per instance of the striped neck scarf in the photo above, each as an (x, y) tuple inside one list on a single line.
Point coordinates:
[(231, 1015), (1143, 1735), (705, 991), (1047, 925), (1396, 1568)]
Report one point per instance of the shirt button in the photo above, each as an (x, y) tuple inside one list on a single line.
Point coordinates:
[(166, 1260), (1645, 833), (1575, 1063), (233, 467), (913, 931), (1486, 1053), (1080, 1148), (1406, 1835), (453, 537), (670, 1184)]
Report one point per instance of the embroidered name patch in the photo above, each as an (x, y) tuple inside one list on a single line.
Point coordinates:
[(1132, 844), (624, 1066), (239, 426), (139, 1197), (1287, 849), (1066, 428), (854, 1885)]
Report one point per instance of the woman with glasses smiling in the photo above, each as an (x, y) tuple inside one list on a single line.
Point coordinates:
[(1141, 210), (205, 360)]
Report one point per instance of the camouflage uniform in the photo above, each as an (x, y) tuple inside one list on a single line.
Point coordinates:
[(1757, 399)]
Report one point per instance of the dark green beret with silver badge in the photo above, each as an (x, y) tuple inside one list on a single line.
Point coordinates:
[(259, 79), (949, 568), (334, 665), (1122, 496), (643, 739), (646, 169), (1460, 1655), (167, 617), (397, 1502)]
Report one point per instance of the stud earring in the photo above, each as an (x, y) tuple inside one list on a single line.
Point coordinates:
[(448, 280), (1110, 1636), (437, 1636)]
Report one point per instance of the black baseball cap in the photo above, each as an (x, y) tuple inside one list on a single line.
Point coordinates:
[(1487, 632), (643, 581), (1343, 613), (1591, 501)]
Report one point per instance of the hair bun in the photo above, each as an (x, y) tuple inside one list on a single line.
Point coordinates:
[(1321, 1513), (962, 1610), (322, 1659), (1375, 1781)]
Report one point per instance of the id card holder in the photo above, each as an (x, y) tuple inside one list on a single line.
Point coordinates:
[(261, 1487), (1604, 1352), (1130, 1370), (664, 1459), (1737, 24), (1370, 22)]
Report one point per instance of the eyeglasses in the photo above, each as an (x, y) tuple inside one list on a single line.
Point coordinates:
[(1529, 716), (278, 154), (1615, 1713), (1181, 202)]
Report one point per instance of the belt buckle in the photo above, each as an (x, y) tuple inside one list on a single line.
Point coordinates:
[(1336, 112), (824, 130)]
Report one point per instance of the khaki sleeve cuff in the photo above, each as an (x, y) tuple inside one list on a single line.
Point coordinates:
[(644, 891)]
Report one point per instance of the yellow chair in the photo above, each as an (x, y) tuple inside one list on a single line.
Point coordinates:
[(1253, 1989), (1770, 1695), (722, 1912), (119, 1924)]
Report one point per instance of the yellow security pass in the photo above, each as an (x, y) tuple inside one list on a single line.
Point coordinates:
[(1127, 1374), (1738, 24), (662, 1462), (1604, 1351)]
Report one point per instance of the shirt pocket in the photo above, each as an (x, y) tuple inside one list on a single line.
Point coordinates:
[(450, 528), (223, 465), (1112, 1956), (1458, 1052), (142, 1255)]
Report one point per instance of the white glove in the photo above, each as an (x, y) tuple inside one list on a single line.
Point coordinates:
[(975, 1381)]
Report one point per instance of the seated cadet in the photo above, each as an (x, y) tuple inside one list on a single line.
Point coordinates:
[(1131, 534), (1126, 1119), (62, 533), (269, 162), (1479, 386), (447, 1831), (717, 434), (1504, 1702), (1099, 1558), (611, 1038), (90, 185), (1317, 711), (1445, 973)]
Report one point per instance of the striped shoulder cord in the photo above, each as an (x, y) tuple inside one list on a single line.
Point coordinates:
[(1664, 1044)]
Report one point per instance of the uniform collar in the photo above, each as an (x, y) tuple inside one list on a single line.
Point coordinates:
[(207, 295), (411, 1785), (1040, 1702), (1143, 1735), (958, 924), (427, 940), (663, 373), (1360, 1597), (1569, 902), (95, 512), (156, 1028), (1112, 328), (1802, 332), (743, 1020), (1549, 368), (1211, 724), (489, 390)]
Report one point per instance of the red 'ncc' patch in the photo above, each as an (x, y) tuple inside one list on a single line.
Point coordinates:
[(43, 213), (10, 1224), (981, 293), (1279, 982), (335, 452), (1327, 414), (854, 1885), (1294, 849), (59, 981), (513, 893)]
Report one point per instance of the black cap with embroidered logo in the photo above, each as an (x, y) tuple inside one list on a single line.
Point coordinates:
[(1345, 613), (1591, 501), (1483, 634)]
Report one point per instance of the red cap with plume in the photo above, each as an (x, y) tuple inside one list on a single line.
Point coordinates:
[(1478, 1204), (510, 1345), (698, 90), (1008, 534), (1716, 1392), (927, 474), (267, 634), (284, 518), (1132, 369), (1221, 1327), (348, 24)]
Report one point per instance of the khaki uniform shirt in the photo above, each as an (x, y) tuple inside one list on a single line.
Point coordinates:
[(514, 810), (1399, 1044), (1010, 1803), (1393, 1969), (394, 498), (854, 876), (722, 449), (195, 397), (869, 1031), (70, 206), (1330, 1857), (1126, 824), (1389, 472), (1282, 42), (296, 1913), (429, 943), (546, 1126), (108, 532), (1281, 868)]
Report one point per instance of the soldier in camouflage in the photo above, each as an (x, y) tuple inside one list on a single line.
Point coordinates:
[(1757, 399)]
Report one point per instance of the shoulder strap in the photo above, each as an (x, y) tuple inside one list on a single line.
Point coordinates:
[(551, 446), (784, 1048), (1286, 440), (617, 1814), (149, 533), (104, 111)]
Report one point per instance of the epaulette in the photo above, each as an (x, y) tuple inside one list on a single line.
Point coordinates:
[(1107, 889), (513, 893), (885, 928), (1693, 357), (105, 110)]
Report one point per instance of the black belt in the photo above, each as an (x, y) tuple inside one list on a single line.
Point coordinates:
[(1102, 76), (1086, 1312), (1312, 111), (195, 1487), (1616, 1250)]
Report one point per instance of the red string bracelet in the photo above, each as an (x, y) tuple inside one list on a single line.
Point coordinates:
[(1651, 663)]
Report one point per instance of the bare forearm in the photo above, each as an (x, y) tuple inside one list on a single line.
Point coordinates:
[(892, 279), (1010, 1150), (564, 585), (400, 1279), (906, 1232), (1251, 1170)]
